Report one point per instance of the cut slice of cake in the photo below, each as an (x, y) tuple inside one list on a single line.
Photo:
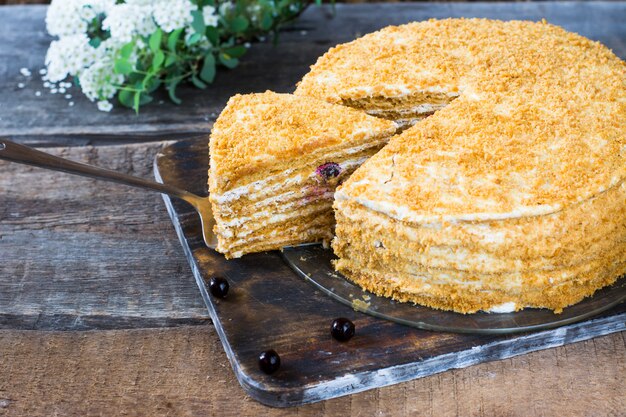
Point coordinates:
[(275, 161), (397, 74)]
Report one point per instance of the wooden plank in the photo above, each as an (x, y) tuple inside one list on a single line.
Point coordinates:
[(269, 306), (49, 120), (184, 372), (84, 254)]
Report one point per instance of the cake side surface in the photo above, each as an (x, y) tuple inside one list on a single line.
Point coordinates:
[(485, 264)]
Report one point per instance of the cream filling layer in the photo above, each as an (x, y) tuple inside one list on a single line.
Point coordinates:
[(255, 193), (246, 228), (262, 187), (418, 283), (421, 108), (316, 228), (260, 214), (394, 91), (239, 250), (509, 307)]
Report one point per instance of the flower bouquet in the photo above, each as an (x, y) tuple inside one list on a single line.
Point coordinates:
[(128, 49)]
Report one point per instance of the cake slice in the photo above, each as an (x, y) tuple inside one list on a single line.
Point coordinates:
[(398, 73), (275, 161)]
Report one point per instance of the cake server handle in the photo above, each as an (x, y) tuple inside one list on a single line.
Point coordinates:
[(22, 154)]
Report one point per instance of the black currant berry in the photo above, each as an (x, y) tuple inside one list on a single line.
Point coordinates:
[(269, 361), (342, 329), (328, 170), (218, 287)]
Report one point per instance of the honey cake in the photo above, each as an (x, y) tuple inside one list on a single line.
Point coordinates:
[(275, 161), (512, 193)]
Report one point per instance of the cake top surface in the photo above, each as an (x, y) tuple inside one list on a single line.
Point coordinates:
[(540, 121), (265, 131)]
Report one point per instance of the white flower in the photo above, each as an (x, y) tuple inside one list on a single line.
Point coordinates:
[(70, 17), (142, 2), (209, 15), (254, 12), (173, 14), (105, 105), (126, 20), (224, 8), (69, 56), (99, 82)]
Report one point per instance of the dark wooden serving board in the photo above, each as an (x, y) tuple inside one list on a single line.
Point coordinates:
[(270, 307)]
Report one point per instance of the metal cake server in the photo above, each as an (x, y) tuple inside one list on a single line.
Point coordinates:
[(14, 152)]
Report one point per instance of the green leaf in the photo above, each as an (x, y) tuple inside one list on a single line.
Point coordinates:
[(197, 82), (136, 99), (127, 50), (198, 21), (134, 77), (213, 35), (157, 61), (208, 69), (122, 66), (152, 85), (236, 51), (228, 61), (95, 42), (193, 39), (155, 40), (125, 97), (145, 99), (172, 39), (239, 24), (139, 99), (171, 59), (267, 21), (171, 90)]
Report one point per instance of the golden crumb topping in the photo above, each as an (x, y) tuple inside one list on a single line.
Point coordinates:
[(257, 132), (540, 121)]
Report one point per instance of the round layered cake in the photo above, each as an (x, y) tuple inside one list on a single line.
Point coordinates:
[(511, 194)]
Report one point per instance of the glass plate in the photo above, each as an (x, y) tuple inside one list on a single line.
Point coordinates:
[(312, 262)]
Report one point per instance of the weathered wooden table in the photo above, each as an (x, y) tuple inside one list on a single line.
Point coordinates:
[(99, 313)]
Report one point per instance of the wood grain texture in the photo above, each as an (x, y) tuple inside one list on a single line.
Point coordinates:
[(49, 120), (184, 372), (85, 254)]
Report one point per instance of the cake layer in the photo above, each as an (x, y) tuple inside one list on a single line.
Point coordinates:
[(297, 178), (293, 174), (246, 228), (579, 234), (515, 282), (296, 195), (314, 227), (464, 299)]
